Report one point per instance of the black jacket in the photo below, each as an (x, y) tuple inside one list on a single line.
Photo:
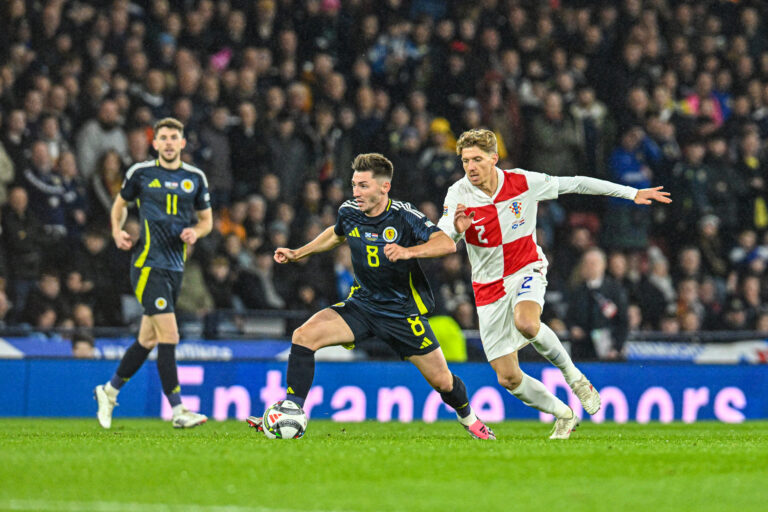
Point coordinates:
[(604, 307), (23, 237)]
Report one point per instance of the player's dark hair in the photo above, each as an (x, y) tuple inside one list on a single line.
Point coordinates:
[(480, 137), (377, 163), (169, 122)]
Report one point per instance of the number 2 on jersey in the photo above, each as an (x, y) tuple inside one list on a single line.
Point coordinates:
[(480, 231), (171, 204), (373, 255)]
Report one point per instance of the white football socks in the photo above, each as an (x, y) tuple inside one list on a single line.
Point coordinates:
[(549, 346), (533, 394), (110, 391), (469, 420)]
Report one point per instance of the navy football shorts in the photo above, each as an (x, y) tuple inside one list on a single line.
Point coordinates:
[(410, 336), (156, 288)]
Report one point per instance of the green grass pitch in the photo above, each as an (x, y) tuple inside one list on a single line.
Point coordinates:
[(146, 466)]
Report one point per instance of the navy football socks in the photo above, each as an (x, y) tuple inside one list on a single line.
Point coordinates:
[(169, 378), (132, 360), (457, 397), (300, 374)]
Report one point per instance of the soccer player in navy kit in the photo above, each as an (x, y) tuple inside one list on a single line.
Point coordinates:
[(391, 295), (175, 211)]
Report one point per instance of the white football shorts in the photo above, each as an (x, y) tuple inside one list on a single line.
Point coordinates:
[(497, 319)]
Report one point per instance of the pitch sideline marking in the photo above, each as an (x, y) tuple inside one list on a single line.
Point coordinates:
[(111, 506)]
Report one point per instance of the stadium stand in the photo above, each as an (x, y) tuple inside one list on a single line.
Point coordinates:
[(278, 96)]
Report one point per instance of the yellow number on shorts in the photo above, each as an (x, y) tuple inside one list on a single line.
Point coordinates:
[(373, 255), (171, 204), (416, 326)]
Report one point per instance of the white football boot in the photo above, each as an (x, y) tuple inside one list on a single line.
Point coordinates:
[(588, 395), (564, 427), (256, 422), (185, 418), (106, 405)]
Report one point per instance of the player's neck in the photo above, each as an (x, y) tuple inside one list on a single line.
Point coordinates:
[(491, 184), (172, 165)]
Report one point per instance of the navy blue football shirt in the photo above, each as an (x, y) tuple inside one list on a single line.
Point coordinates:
[(168, 202), (393, 289)]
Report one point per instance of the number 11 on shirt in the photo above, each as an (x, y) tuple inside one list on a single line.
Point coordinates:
[(171, 203)]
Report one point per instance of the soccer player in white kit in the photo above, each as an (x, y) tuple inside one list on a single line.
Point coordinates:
[(495, 212)]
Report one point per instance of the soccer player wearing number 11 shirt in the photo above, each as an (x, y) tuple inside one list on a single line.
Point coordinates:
[(495, 212)]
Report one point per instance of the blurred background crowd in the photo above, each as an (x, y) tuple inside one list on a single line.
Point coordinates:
[(278, 96)]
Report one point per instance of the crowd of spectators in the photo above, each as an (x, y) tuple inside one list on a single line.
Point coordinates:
[(278, 96)]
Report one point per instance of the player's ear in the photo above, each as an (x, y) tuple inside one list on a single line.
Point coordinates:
[(495, 158), (183, 143), (386, 186), (155, 144)]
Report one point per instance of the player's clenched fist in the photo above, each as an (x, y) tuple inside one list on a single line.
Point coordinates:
[(395, 252), (189, 236), (285, 255), (122, 240)]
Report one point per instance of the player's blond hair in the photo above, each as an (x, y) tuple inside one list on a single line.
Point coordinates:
[(169, 122), (377, 163), (480, 137)]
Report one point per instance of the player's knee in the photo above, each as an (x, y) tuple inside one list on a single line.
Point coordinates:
[(442, 383), (528, 327), (510, 380), (171, 338), (148, 344), (303, 336)]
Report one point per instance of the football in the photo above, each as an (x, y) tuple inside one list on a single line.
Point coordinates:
[(284, 420)]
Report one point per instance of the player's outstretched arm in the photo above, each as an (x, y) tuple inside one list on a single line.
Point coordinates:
[(594, 186), (117, 216), (325, 241), (439, 244), (204, 226)]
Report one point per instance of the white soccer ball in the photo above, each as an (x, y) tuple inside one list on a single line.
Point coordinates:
[(284, 420)]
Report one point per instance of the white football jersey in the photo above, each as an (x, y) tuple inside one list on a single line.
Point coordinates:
[(502, 237)]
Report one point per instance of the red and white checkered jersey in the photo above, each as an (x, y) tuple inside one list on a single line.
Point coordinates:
[(502, 237)]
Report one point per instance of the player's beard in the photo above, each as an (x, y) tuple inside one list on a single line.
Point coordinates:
[(176, 154)]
